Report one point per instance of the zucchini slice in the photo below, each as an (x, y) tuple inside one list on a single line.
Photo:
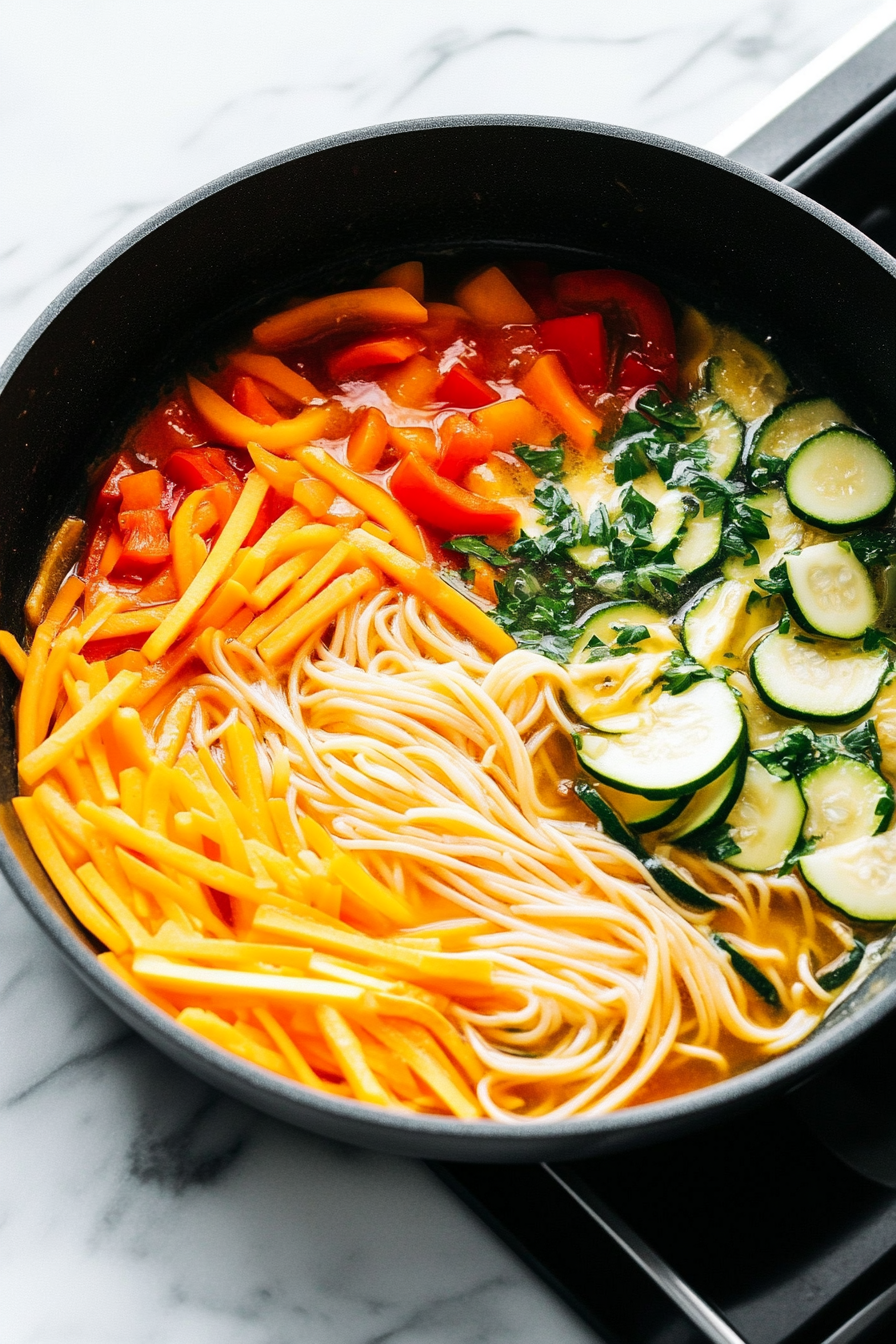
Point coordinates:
[(786, 532), (842, 968), (831, 593), (604, 623), (722, 431), (816, 679), (845, 799), (710, 804), (766, 820), (858, 878), (748, 971), (643, 814), (788, 427), (669, 518), (668, 881), (745, 375), (684, 742), (700, 543), (840, 479), (718, 625)]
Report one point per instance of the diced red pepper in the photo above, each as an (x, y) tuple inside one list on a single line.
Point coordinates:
[(146, 542), (197, 468), (170, 426), (125, 464), (634, 375), (99, 650), (640, 302), (103, 523), (445, 505), (462, 388), (249, 399), (371, 354), (581, 342), (463, 445), (142, 489)]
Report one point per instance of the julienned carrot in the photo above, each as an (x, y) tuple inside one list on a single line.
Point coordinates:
[(231, 426), (334, 560), (447, 601), (376, 502), (240, 986), (43, 758), (350, 311), (548, 385), (317, 614)]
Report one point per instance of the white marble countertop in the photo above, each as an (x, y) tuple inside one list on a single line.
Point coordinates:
[(136, 1205)]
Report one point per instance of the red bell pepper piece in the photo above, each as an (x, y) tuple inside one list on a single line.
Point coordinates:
[(581, 341), (634, 375), (99, 650), (198, 468), (146, 542), (125, 464), (248, 398), (371, 354), (460, 387), (640, 302), (445, 505), (142, 490), (463, 445)]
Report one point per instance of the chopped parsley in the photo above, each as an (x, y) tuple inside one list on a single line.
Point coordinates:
[(545, 462), (479, 547)]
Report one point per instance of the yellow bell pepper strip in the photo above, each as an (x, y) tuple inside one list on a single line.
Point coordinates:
[(490, 298), (213, 1028), (349, 1054), (549, 386), (350, 311), (231, 538), (272, 370), (231, 426), (15, 655), (338, 558), (447, 601), (416, 1048), (240, 986), (280, 472), (376, 502)]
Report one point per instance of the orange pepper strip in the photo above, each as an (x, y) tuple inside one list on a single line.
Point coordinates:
[(548, 385), (316, 614), (367, 441), (376, 502), (447, 601), (490, 298), (418, 439), (281, 473), (446, 505), (232, 427), (517, 421), (349, 311)]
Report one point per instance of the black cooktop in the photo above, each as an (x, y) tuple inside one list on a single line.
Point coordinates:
[(778, 1227)]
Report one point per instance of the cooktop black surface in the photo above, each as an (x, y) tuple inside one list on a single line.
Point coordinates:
[(778, 1227)]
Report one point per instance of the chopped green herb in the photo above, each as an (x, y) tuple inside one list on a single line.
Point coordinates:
[(767, 470), (681, 671), (876, 639), (479, 547), (799, 851), (873, 548), (777, 581), (717, 843), (546, 462)]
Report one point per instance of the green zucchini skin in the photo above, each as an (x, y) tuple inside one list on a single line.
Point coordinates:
[(722, 430), (693, 834), (790, 425), (828, 516), (669, 882), (842, 568), (843, 969), (844, 713), (865, 790), (857, 878), (748, 972)]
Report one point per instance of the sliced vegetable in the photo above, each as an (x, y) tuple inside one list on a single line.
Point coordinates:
[(517, 421), (371, 354), (786, 532), (845, 799), (749, 972), (664, 877), (858, 878), (146, 541), (842, 968), (249, 398), (840, 479), (199, 467), (462, 445), (406, 275), (349, 311), (766, 820), (605, 624), (462, 388), (582, 343), (831, 593), (445, 505), (377, 503), (700, 543), (638, 302), (709, 805), (643, 814), (490, 298), (721, 430), (231, 426), (367, 441), (548, 385), (789, 426), (686, 741), (142, 490), (723, 619), (817, 679), (745, 375)]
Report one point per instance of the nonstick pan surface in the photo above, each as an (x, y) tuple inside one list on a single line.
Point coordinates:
[(329, 215)]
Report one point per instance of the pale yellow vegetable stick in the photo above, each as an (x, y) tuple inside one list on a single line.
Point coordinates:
[(130, 737), (32, 685), (447, 601), (316, 614), (117, 968), (171, 942), (57, 746), (109, 899), (233, 534), (137, 622), (173, 732), (215, 1029), (389, 1004), (412, 1045), (376, 502), (131, 782), (240, 986), (67, 642), (78, 900), (272, 370), (287, 1047), (348, 1052), (281, 578), (239, 743)]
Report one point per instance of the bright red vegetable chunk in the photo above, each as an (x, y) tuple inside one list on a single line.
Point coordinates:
[(142, 490), (463, 445), (197, 468), (146, 542), (444, 505), (634, 375), (462, 388), (371, 354), (581, 342), (639, 303)]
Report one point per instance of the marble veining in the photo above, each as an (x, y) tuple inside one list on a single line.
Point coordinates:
[(136, 1204)]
